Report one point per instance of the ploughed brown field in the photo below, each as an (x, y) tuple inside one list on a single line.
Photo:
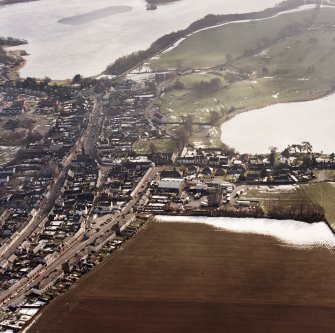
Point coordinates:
[(192, 278)]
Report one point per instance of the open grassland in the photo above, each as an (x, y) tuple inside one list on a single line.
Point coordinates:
[(239, 96), (15, 129), (293, 62), (189, 80), (279, 199), (62, 83), (328, 175), (324, 195), (163, 146), (193, 278), (218, 45)]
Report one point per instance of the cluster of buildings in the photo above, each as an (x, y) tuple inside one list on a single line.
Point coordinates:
[(206, 181), (243, 168), (125, 121), (19, 315), (66, 220), (48, 127), (25, 182), (75, 201), (14, 102), (119, 183), (22, 193), (23, 314), (12, 220), (174, 192), (15, 108), (66, 130)]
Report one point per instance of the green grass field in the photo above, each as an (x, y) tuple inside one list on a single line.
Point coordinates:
[(277, 197), (322, 194), (328, 174), (189, 80), (162, 145), (284, 69), (62, 83), (215, 46)]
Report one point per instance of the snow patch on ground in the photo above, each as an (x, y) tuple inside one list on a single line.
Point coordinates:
[(288, 231), (105, 77), (264, 52), (277, 189), (142, 69), (140, 77)]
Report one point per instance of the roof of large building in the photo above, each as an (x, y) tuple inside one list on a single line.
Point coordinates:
[(171, 183)]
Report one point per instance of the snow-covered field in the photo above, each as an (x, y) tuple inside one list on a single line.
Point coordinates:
[(277, 189), (288, 231)]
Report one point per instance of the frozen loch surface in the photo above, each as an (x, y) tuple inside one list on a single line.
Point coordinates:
[(288, 231), (67, 37), (95, 15), (280, 125)]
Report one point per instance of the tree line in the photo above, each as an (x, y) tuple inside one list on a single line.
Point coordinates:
[(131, 60)]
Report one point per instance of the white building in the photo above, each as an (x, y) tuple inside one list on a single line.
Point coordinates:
[(171, 184)]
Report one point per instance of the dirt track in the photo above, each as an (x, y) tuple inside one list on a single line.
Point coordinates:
[(191, 278)]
